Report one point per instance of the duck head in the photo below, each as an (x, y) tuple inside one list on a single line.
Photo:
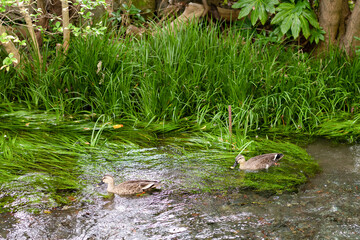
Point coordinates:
[(238, 160), (277, 157), (107, 179)]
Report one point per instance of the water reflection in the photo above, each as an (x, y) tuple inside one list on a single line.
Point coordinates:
[(327, 207), (356, 152)]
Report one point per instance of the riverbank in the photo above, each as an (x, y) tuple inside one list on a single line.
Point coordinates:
[(81, 115), (193, 75)]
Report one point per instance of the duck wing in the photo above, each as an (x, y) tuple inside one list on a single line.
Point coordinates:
[(146, 184), (137, 186), (262, 161), (274, 157)]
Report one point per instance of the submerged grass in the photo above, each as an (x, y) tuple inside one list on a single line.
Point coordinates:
[(170, 90), (295, 168), (45, 163)]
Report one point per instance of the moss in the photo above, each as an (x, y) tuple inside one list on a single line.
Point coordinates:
[(4, 201), (295, 168), (46, 165), (32, 191)]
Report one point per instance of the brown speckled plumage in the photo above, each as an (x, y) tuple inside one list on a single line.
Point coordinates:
[(258, 162), (129, 187)]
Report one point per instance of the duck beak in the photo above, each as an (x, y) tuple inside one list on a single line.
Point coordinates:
[(235, 164), (99, 184)]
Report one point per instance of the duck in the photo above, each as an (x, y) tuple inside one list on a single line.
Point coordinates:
[(129, 187), (258, 162)]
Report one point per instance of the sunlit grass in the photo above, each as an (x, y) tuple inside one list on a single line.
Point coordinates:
[(47, 163), (171, 90), (195, 73)]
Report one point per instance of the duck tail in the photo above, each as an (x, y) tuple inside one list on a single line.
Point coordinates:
[(152, 185), (278, 156)]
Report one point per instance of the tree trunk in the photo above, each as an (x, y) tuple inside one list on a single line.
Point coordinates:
[(43, 21), (109, 6), (65, 20), (352, 29), (340, 25), (329, 19), (192, 12), (206, 7), (30, 28), (345, 12), (9, 46)]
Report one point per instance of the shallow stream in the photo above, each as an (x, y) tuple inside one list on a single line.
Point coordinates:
[(327, 207)]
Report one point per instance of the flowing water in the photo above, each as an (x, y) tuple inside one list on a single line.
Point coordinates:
[(327, 207)]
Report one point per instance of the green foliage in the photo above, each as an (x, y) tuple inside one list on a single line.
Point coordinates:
[(293, 16), (342, 128), (83, 8), (128, 10), (6, 3), (317, 35), (36, 166), (165, 78), (3, 38), (357, 48), (133, 11), (47, 163), (116, 17), (8, 61), (259, 9), (218, 177), (57, 27), (161, 89), (95, 136)]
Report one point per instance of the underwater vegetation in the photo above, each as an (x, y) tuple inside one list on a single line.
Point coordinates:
[(157, 107), (47, 163)]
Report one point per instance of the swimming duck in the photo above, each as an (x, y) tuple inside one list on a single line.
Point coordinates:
[(129, 187), (258, 162)]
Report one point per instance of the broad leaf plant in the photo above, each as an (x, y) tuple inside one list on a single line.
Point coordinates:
[(289, 17)]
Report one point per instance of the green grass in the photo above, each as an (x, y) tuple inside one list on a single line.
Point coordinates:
[(46, 163), (195, 73), (170, 90)]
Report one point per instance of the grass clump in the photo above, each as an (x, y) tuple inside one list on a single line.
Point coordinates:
[(47, 163), (294, 170), (195, 73), (163, 87)]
